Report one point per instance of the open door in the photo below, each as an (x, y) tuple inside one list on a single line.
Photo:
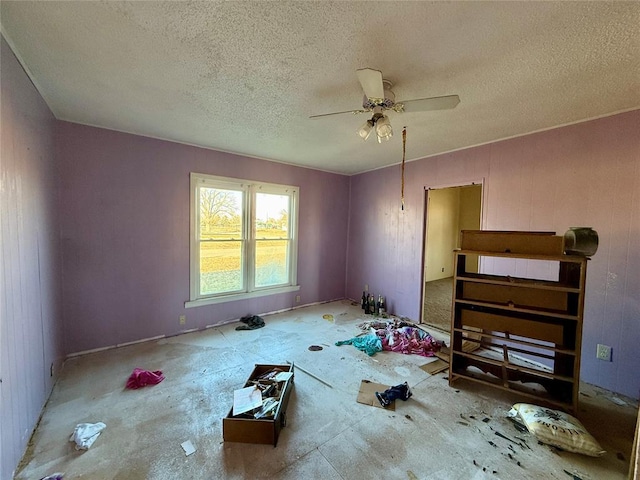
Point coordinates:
[(448, 210)]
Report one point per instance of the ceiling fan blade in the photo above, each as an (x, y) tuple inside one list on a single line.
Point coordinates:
[(432, 103), (354, 112), (371, 81)]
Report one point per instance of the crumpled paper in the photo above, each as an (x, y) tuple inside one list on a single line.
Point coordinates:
[(85, 434)]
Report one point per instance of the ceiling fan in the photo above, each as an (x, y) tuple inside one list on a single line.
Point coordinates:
[(378, 97)]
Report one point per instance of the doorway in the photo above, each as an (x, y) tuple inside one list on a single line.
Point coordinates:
[(448, 210)]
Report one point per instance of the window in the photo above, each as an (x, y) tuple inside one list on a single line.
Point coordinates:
[(243, 239)]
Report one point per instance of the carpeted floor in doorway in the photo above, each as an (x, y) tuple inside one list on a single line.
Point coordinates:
[(437, 303)]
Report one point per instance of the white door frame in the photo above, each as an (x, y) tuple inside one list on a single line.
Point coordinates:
[(482, 182)]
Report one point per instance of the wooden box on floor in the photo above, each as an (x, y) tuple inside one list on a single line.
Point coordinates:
[(249, 430)]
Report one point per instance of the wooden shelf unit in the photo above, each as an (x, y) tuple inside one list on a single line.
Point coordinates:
[(537, 320)]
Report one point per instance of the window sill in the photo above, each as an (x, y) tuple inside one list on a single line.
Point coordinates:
[(240, 296)]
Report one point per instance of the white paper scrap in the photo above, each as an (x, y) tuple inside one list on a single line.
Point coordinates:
[(188, 447), (246, 399), (618, 401), (283, 376)]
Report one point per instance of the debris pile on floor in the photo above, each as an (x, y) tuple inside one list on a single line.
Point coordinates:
[(259, 409), (260, 399), (395, 336)]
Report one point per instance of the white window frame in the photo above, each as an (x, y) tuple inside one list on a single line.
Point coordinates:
[(250, 189)]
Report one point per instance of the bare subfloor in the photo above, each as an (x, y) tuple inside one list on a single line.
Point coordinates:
[(328, 435)]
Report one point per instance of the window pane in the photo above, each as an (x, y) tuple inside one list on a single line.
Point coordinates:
[(220, 214), (272, 216), (220, 267), (271, 263)]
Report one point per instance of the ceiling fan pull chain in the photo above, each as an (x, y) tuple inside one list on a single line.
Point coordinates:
[(404, 148)]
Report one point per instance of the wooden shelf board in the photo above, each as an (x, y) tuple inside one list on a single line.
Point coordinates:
[(512, 366), (533, 311), (564, 351), (516, 282), (526, 256), (511, 387)]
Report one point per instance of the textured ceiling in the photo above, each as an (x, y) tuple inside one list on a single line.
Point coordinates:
[(244, 77)]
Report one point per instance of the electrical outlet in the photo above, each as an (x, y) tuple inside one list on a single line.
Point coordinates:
[(366, 287), (183, 319), (51, 370), (603, 352), (443, 269), (297, 298)]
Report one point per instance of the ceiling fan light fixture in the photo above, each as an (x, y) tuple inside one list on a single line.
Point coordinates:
[(365, 130), (383, 129)]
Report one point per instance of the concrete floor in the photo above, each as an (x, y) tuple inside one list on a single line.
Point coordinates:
[(328, 435)]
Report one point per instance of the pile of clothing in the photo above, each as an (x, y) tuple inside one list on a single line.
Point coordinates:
[(394, 336)]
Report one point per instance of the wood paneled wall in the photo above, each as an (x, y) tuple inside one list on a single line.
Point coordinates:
[(587, 174), (31, 324)]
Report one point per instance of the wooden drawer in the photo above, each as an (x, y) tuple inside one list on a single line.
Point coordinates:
[(250, 430)]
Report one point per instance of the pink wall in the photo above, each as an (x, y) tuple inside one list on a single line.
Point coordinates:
[(31, 317), (125, 235), (581, 175)]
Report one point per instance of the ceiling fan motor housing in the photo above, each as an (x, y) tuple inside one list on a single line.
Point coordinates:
[(388, 101)]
